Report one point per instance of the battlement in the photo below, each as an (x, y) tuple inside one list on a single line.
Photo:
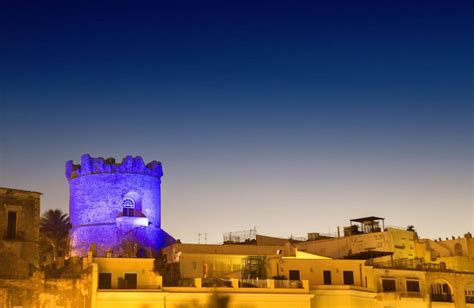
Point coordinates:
[(96, 165)]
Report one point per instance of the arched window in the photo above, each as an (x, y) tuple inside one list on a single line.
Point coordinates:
[(128, 206), (441, 292), (469, 293), (457, 249)]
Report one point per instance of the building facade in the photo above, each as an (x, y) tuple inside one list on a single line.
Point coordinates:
[(19, 231)]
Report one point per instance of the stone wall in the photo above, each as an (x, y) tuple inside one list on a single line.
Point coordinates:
[(38, 292)]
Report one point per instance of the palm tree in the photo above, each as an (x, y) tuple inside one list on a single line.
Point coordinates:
[(54, 231)]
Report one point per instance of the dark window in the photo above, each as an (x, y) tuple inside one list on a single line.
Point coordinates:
[(413, 286), (128, 206), (348, 277), (294, 275), (389, 285), (130, 281), (105, 281), (458, 249), (327, 277), (11, 225), (440, 292)]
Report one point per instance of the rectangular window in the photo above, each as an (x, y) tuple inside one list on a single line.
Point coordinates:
[(11, 225), (348, 277), (327, 277), (105, 281), (130, 280), (294, 275), (389, 285), (413, 286)]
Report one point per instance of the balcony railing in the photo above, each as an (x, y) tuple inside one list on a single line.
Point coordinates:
[(416, 264), (288, 284), (260, 285), (253, 283), (448, 298)]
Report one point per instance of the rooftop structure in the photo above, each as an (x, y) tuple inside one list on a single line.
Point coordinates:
[(368, 224)]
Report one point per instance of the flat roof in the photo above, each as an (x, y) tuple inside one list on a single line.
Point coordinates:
[(21, 190), (368, 218)]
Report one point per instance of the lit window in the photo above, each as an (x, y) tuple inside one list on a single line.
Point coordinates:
[(128, 206)]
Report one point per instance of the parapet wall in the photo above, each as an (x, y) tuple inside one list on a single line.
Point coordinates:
[(95, 165)]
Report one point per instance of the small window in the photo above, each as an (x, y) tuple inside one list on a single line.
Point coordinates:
[(327, 277), (105, 281), (194, 265), (389, 285), (11, 225), (348, 277), (294, 275), (413, 286)]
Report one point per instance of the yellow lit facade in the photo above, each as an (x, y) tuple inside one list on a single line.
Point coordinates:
[(368, 266)]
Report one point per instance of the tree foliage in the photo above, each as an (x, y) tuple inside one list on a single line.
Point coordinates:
[(54, 231)]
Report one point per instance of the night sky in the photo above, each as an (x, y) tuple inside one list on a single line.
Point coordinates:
[(293, 117)]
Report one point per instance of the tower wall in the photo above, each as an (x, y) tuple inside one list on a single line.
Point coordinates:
[(97, 198), (100, 190)]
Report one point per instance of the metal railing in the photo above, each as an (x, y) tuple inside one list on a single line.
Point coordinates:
[(253, 283), (416, 264), (396, 228), (288, 284), (448, 298)]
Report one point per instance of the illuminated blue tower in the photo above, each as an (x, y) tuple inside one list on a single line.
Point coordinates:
[(116, 207)]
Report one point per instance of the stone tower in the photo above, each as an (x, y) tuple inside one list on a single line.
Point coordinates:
[(116, 207)]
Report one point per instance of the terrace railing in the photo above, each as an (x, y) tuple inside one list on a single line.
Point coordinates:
[(288, 284)]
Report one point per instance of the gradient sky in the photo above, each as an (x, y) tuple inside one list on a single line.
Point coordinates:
[(293, 117)]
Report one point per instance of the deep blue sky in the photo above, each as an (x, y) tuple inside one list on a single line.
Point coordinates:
[(292, 117)]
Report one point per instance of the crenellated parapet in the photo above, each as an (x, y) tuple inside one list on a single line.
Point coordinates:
[(96, 165)]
